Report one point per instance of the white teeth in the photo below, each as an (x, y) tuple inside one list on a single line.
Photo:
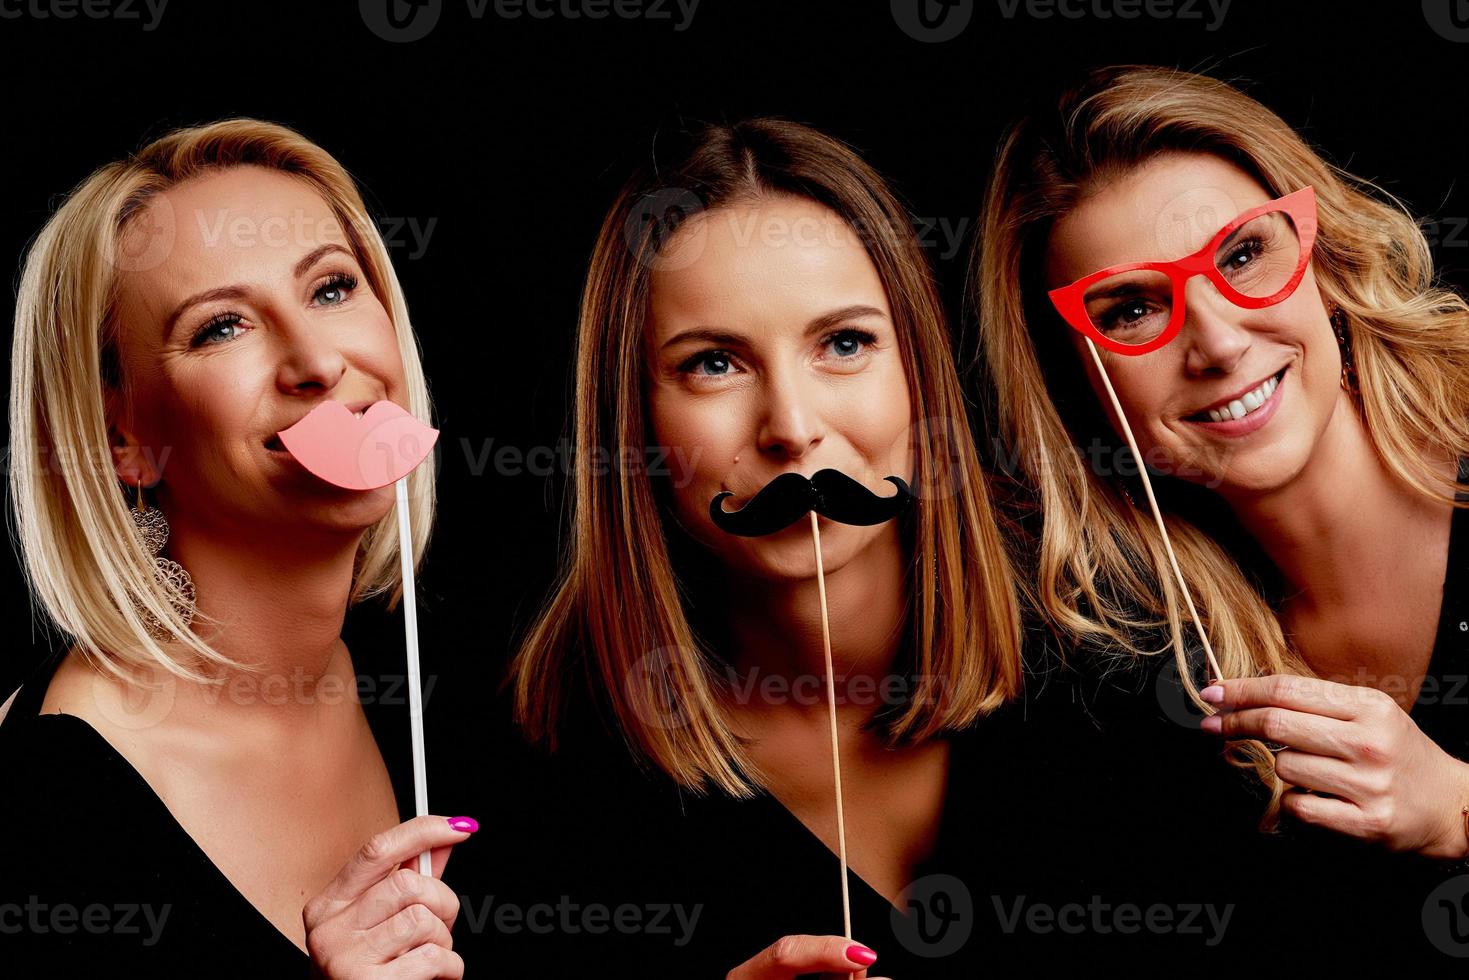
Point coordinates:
[(1244, 404), (358, 415)]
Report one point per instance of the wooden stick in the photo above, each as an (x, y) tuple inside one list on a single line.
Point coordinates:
[(1157, 514), (831, 706), (415, 691)]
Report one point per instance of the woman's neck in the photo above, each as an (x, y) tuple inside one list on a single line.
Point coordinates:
[(778, 656), (1346, 533), (281, 605)]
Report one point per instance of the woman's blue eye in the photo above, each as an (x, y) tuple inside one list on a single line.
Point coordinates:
[(210, 332), (717, 360), (335, 290), (850, 343)]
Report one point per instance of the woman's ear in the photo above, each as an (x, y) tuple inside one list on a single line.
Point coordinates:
[(132, 461)]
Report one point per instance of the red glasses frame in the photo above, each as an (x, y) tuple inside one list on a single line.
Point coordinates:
[(1070, 301)]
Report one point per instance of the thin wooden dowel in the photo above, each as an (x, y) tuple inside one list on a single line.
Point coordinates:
[(831, 707), (1157, 514)]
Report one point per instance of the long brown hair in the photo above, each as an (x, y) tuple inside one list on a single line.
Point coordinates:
[(1100, 576), (621, 616)]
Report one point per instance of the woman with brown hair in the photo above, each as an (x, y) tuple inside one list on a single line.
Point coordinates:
[(757, 304), (1284, 362)]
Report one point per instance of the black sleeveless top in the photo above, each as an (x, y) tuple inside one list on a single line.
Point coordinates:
[(1173, 823), (599, 866), (97, 877), (1089, 824)]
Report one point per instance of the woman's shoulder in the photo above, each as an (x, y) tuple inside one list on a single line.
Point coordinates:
[(108, 881)]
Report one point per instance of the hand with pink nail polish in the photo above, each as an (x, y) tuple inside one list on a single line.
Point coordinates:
[(793, 956), (380, 918)]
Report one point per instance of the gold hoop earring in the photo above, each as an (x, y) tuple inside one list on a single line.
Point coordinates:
[(1344, 344), (153, 527)]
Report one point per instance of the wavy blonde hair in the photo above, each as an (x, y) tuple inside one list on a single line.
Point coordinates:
[(1101, 577), (84, 559), (620, 621)]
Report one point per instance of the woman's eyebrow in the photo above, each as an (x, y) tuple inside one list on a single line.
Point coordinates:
[(208, 296), (239, 292), (856, 311), (1111, 289), (315, 255), (819, 324), (708, 334)]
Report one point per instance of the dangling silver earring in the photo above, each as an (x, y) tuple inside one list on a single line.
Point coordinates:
[(153, 526)]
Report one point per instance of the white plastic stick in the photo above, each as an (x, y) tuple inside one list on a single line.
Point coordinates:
[(831, 706), (1157, 514), (415, 692)]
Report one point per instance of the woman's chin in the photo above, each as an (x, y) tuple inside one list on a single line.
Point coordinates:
[(355, 512)]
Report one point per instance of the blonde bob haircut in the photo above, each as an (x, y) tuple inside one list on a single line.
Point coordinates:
[(623, 621), (84, 560), (1101, 577)]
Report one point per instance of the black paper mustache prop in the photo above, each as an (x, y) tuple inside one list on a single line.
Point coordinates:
[(790, 496)]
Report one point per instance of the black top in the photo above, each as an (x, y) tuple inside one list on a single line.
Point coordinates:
[(99, 879), (1051, 851), (599, 865), (1312, 894), (1091, 823)]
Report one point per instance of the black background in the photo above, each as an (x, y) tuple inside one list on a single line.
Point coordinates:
[(506, 138)]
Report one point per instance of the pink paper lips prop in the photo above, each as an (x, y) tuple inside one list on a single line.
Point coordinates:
[(364, 453)]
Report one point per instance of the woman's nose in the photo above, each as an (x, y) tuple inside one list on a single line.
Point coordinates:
[(309, 357), (1213, 330), (791, 425)]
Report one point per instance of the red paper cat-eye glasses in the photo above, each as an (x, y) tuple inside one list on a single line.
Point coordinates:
[(1256, 260)]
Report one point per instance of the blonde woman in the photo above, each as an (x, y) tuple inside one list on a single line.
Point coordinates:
[(197, 739), (1299, 383), (757, 304)]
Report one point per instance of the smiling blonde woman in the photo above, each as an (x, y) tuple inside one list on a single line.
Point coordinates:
[(1299, 384), (179, 308)]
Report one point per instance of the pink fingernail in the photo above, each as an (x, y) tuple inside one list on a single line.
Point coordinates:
[(465, 825), (861, 955), (1212, 723), (1214, 694)]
